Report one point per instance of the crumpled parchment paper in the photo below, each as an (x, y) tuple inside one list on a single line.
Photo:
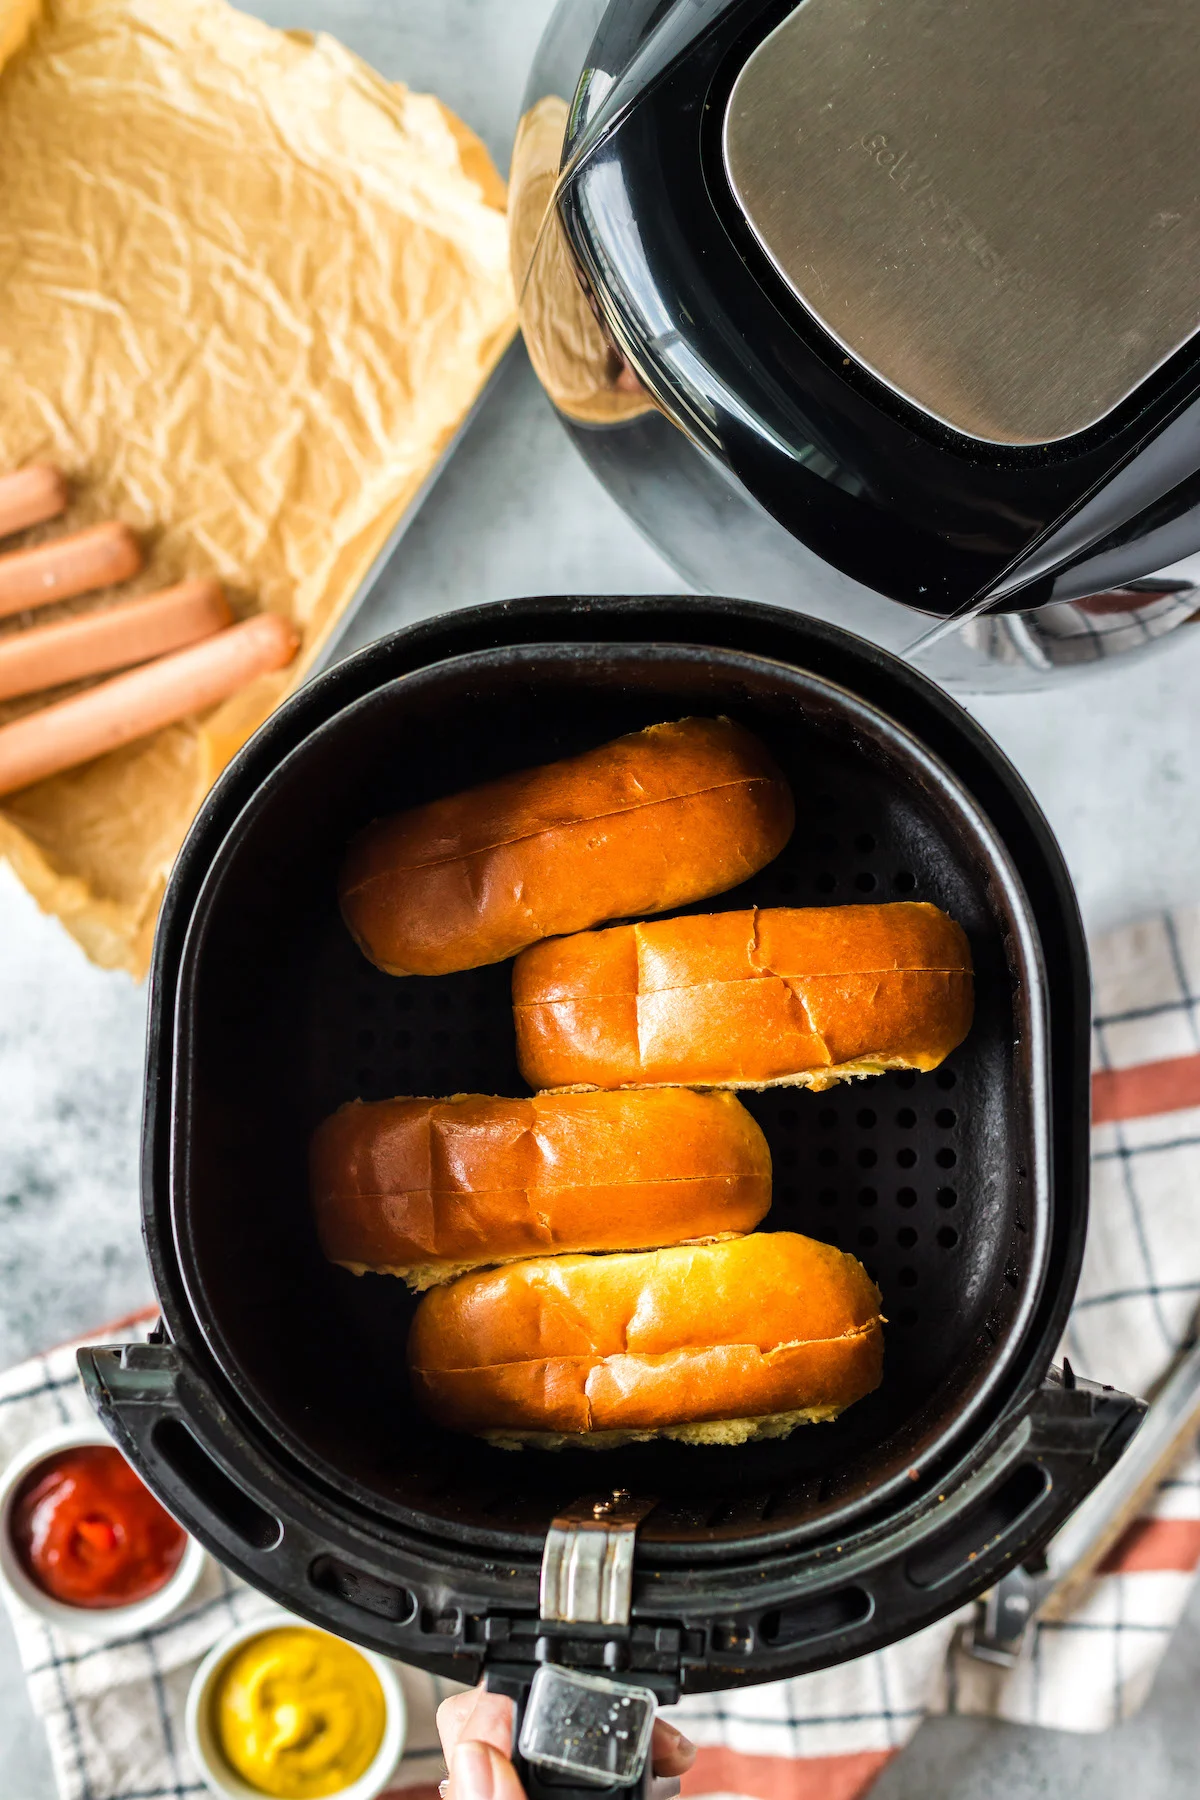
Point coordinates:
[(248, 291)]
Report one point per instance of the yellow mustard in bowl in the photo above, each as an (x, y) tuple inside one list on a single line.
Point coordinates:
[(298, 1714)]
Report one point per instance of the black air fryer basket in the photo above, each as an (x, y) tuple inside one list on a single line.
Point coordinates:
[(271, 1412)]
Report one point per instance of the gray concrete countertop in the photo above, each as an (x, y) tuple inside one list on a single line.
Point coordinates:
[(1114, 761)]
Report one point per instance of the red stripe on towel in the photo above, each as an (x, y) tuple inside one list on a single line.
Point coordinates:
[(99, 1331), (1147, 1088), (720, 1770), (1155, 1544)]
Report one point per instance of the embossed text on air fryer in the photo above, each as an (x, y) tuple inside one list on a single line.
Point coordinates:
[(956, 228)]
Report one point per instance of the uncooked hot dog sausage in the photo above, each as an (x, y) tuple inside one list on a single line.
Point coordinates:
[(46, 656), (30, 496), (131, 706), (66, 566)]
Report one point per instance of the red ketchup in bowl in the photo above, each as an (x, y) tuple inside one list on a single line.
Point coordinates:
[(89, 1533)]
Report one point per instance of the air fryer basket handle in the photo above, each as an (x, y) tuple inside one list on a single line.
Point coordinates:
[(806, 1612), (541, 1783), (137, 1391), (280, 1534), (1072, 1436)]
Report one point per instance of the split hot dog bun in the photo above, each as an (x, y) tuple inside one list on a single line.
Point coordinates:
[(425, 1189), (713, 1345), (754, 999), (653, 820)]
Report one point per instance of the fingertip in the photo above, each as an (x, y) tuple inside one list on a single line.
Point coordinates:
[(452, 1716), (478, 1771), (508, 1782), (490, 1721), (672, 1752)]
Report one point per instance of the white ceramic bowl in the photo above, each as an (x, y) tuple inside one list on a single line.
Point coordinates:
[(224, 1781), (95, 1621)]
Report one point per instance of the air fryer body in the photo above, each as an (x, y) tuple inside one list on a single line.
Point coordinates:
[(879, 311), (271, 1412)]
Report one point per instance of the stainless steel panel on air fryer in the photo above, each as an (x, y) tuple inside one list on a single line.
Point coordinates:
[(949, 188)]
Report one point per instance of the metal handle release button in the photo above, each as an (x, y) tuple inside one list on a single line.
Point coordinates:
[(587, 1565)]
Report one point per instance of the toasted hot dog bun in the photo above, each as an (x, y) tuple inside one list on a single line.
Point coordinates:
[(755, 999), (650, 821), (49, 655), (65, 566), (713, 1344), (119, 711), (426, 1189), (30, 497)]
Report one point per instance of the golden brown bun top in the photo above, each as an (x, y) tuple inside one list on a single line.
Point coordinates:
[(744, 999), (765, 1290), (663, 762), (428, 1188), (483, 1143), (787, 942), (650, 821)]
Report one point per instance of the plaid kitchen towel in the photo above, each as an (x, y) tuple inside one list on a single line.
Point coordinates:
[(113, 1708), (114, 1713), (827, 1736)]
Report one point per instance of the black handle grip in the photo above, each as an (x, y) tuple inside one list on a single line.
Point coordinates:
[(276, 1532), (542, 1783), (956, 1544), (1074, 1433), (137, 1391)]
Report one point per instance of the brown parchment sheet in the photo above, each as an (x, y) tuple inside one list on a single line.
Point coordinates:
[(248, 292)]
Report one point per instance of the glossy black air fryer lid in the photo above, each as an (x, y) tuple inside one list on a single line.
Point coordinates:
[(919, 276), (270, 1411)]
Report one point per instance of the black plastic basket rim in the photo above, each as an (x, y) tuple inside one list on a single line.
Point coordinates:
[(246, 784)]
